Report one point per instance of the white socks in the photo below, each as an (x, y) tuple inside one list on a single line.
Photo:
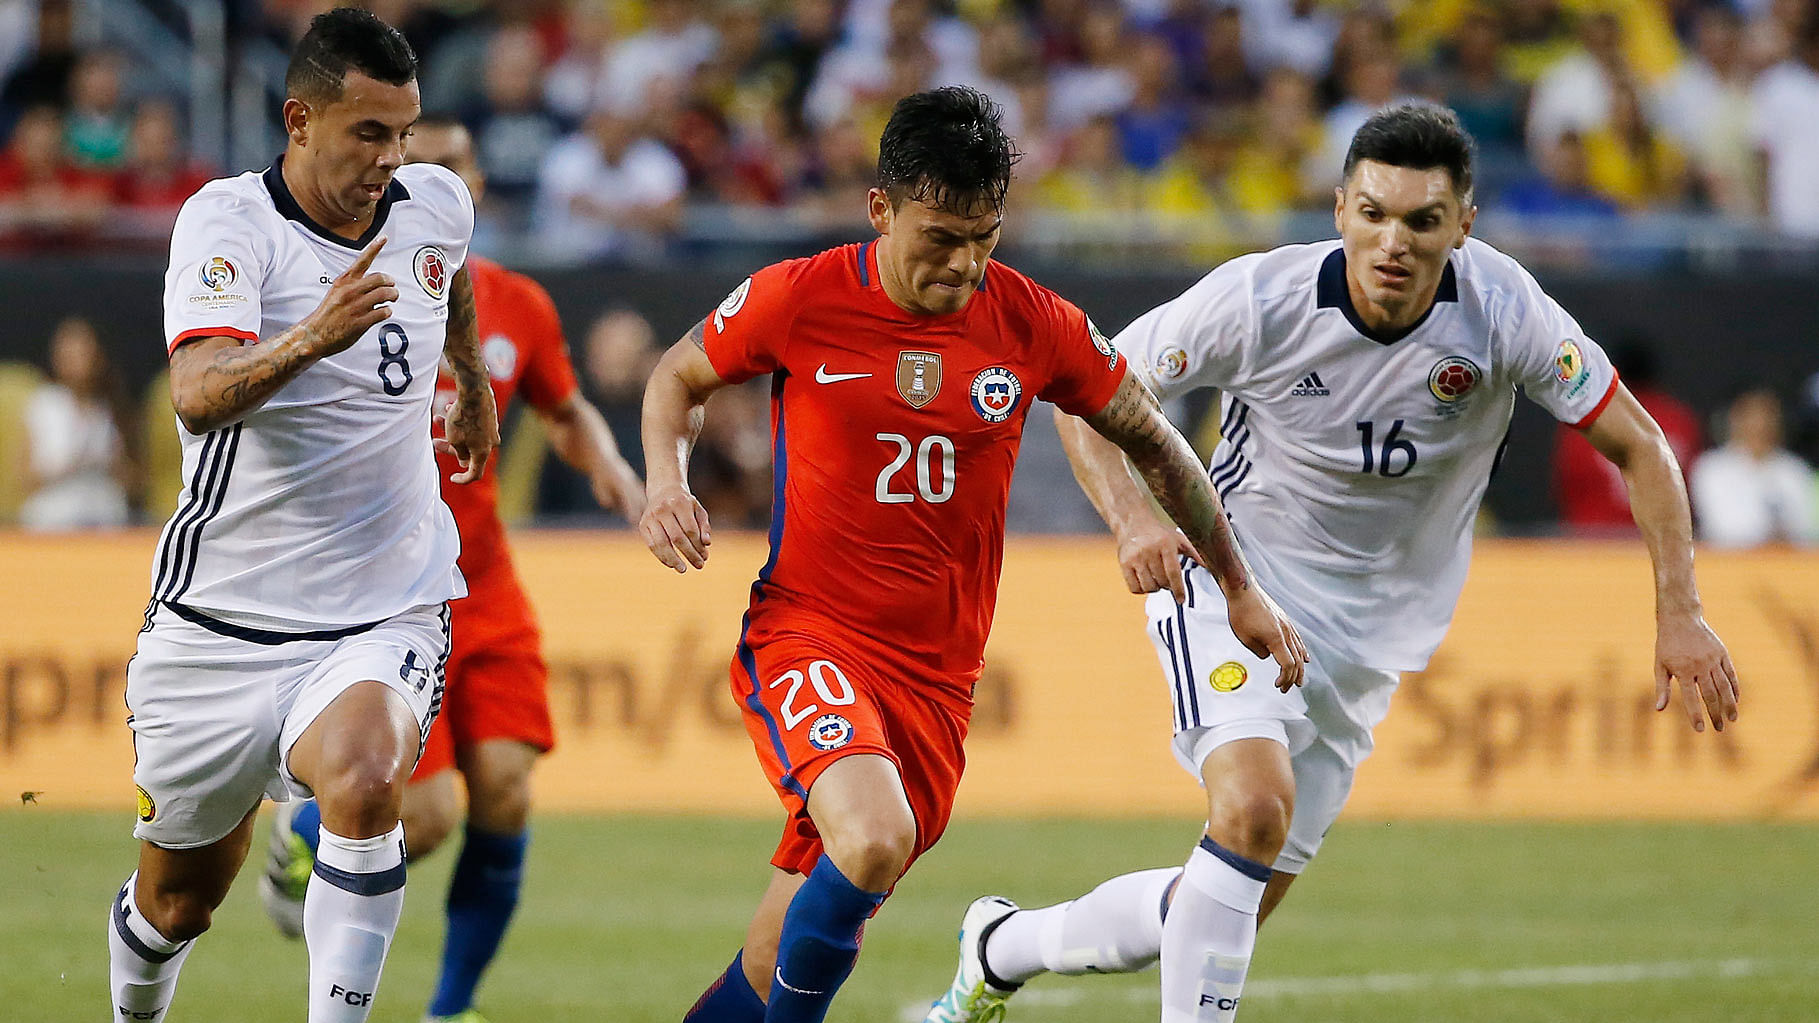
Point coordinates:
[(1115, 928), (349, 915), (142, 964), (1208, 937)]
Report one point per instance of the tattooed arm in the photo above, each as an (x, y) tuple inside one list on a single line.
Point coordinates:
[(216, 381), (674, 524), (1132, 425), (471, 424)]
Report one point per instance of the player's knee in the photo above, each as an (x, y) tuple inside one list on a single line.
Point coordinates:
[(179, 916), (364, 794), (1252, 824), (873, 853)]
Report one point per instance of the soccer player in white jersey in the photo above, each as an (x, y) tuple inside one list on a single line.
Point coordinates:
[(298, 626), (1367, 386)]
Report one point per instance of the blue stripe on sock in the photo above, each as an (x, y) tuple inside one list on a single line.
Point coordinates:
[(379, 882), (139, 948), (1244, 865), (482, 894)]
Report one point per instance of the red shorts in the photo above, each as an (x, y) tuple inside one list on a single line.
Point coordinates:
[(808, 702), (498, 685)]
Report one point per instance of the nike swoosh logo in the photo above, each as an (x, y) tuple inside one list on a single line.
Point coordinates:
[(822, 376)]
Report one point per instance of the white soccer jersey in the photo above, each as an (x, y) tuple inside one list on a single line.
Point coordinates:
[(1353, 465), (321, 508)]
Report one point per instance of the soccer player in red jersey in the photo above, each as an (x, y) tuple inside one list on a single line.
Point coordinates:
[(903, 370), (495, 718)]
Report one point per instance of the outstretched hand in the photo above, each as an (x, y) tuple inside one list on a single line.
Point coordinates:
[(1687, 651)]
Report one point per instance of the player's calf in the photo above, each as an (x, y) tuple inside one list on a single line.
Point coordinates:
[(431, 811), (143, 957), (356, 896), (1211, 928), (819, 944)]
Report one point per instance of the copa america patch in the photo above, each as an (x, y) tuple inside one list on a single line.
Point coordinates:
[(830, 731), (218, 274), (1569, 362), (996, 392), (432, 271), (1099, 341), (1171, 363)]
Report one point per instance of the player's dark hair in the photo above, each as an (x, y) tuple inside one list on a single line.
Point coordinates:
[(947, 147), (1420, 136), (342, 40)]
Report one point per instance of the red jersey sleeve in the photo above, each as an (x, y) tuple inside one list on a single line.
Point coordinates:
[(1084, 368), (548, 379), (747, 334)]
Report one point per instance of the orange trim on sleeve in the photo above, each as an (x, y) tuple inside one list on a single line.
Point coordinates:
[(1598, 409), (191, 335)]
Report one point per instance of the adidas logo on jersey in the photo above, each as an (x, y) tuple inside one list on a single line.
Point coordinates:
[(1309, 387)]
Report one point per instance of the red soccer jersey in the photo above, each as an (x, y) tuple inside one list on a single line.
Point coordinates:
[(894, 437), (522, 346)]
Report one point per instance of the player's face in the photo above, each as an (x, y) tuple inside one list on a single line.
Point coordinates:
[(1397, 225), (931, 258), (356, 143), (451, 146)]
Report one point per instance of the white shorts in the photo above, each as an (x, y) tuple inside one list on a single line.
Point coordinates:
[(215, 708), (1221, 692)]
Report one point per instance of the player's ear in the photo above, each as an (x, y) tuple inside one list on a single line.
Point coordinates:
[(296, 120), (878, 210), (1465, 225), (1339, 208)]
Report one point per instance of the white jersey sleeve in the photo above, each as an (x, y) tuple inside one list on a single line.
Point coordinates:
[(1205, 337), (1549, 356), (444, 192), (219, 262)]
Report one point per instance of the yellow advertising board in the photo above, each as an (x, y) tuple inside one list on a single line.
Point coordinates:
[(1540, 703)]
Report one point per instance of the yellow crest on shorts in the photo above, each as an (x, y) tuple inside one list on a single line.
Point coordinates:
[(1228, 676), (147, 808)]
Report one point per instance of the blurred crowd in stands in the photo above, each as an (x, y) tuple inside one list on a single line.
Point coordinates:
[(602, 122), (603, 125)]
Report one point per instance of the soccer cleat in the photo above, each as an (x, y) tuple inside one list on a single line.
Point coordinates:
[(289, 862), (973, 998), (465, 1016)]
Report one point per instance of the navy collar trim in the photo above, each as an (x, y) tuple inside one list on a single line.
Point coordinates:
[(288, 208), (1330, 292)]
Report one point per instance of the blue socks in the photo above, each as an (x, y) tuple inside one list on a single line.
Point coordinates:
[(729, 999), (819, 945), (481, 897), (307, 823)]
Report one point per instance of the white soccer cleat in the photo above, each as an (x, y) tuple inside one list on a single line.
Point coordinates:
[(972, 998), (288, 865)]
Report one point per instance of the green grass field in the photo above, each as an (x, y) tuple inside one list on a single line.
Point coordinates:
[(626, 918)]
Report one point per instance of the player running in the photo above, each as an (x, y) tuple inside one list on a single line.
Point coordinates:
[(495, 718), (902, 372), (1367, 388), (298, 627)]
